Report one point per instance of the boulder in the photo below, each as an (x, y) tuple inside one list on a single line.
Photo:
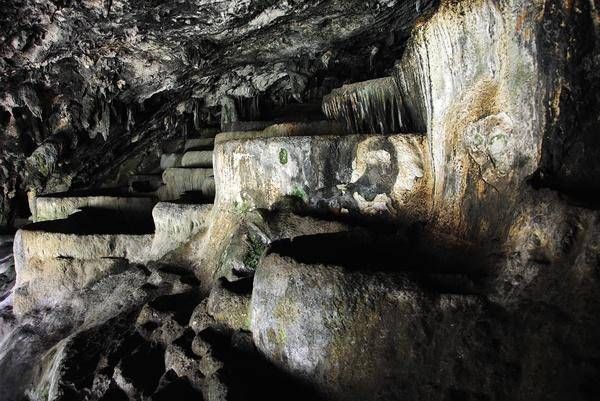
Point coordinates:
[(228, 304), (360, 335)]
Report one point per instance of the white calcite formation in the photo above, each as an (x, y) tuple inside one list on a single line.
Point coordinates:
[(369, 175), (368, 107)]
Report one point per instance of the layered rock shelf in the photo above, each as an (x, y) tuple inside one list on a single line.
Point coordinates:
[(368, 175)]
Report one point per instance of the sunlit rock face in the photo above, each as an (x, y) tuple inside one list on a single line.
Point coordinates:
[(476, 77), (375, 176)]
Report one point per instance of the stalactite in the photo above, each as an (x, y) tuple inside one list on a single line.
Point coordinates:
[(368, 107), (248, 108), (196, 110)]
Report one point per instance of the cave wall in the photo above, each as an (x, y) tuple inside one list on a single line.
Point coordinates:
[(88, 85), (476, 76)]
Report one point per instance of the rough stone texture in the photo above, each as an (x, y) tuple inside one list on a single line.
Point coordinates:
[(361, 336), (44, 245), (60, 206), (368, 107), (375, 175), (170, 160), (260, 229), (197, 158), (178, 181), (46, 283), (199, 144), (201, 320), (228, 307), (7, 266), (477, 280), (177, 223), (487, 118), (127, 71)]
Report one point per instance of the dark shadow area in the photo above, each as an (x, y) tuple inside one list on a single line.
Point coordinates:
[(380, 251), (174, 388), (118, 191), (186, 276), (181, 304), (240, 287), (144, 185), (195, 197), (452, 268), (143, 368), (251, 377), (98, 221)]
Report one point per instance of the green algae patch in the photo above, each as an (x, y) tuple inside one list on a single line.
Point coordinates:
[(299, 193), (283, 156)]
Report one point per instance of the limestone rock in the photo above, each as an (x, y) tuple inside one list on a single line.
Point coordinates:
[(368, 107), (180, 180), (201, 319), (175, 387), (7, 269), (475, 78), (180, 359), (229, 305), (170, 160), (138, 374), (199, 144), (175, 223), (50, 282), (197, 158), (364, 175), (320, 323), (69, 241), (60, 206)]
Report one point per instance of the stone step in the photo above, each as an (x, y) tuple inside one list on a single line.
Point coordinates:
[(145, 183), (170, 160), (178, 181), (175, 223), (60, 206), (197, 158), (59, 257), (326, 311), (199, 144)]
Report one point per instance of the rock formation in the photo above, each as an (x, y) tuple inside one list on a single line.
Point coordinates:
[(336, 200)]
